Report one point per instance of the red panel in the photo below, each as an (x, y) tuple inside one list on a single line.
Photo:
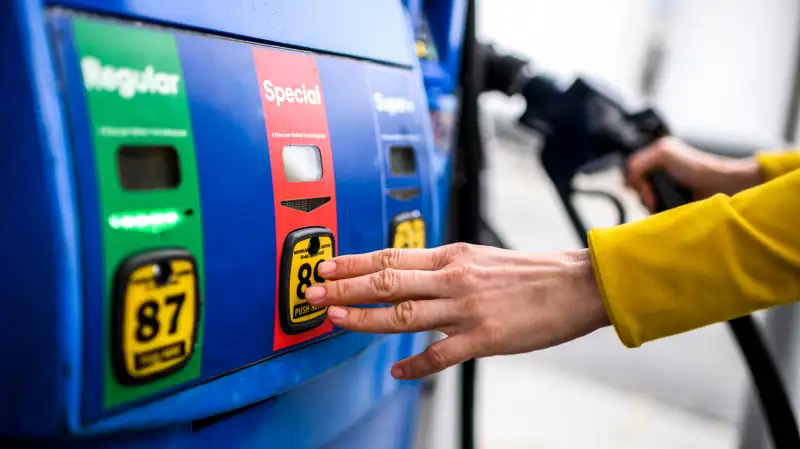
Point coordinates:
[(294, 113)]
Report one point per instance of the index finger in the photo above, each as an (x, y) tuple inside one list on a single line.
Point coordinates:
[(397, 258), (643, 162)]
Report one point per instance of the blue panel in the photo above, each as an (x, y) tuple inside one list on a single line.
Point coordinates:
[(336, 383), (238, 219), (399, 118), (414, 7), (361, 28), (391, 426), (446, 19), (236, 193), (40, 278), (88, 207), (356, 159), (358, 395), (444, 110)]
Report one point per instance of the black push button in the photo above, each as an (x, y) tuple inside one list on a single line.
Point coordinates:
[(303, 251), (157, 310)]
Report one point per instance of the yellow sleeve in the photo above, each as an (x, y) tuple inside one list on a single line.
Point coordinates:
[(778, 164), (706, 262)]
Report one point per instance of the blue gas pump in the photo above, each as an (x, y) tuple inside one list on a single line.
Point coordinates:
[(173, 174)]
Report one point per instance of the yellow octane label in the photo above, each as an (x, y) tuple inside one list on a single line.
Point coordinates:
[(409, 234), (304, 273), (159, 321)]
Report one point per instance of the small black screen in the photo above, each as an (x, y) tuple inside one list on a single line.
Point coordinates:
[(402, 160), (148, 167)]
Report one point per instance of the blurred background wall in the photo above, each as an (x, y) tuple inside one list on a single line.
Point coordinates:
[(727, 69)]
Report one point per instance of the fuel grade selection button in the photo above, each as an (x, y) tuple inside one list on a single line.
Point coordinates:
[(407, 230), (157, 310), (303, 251)]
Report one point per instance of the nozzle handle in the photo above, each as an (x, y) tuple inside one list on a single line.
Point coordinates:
[(669, 194)]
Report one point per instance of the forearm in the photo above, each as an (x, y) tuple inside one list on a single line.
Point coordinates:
[(702, 263)]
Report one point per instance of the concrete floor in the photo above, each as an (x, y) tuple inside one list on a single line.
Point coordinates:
[(683, 392)]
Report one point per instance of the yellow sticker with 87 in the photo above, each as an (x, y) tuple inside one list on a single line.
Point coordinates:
[(304, 273), (409, 233), (159, 317)]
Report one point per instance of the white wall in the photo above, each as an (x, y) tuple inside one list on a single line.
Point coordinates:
[(605, 38), (729, 67)]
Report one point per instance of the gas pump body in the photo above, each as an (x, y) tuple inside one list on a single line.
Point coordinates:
[(178, 169)]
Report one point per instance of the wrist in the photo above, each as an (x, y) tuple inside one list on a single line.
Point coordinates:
[(740, 174), (587, 290)]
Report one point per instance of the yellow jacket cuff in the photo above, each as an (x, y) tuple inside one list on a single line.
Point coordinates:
[(774, 165)]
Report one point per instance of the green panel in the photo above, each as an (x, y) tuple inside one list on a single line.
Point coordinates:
[(136, 96)]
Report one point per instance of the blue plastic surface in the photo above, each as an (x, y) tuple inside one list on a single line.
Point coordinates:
[(224, 101), (40, 282), (401, 128), (324, 390), (367, 29), (357, 402), (446, 20)]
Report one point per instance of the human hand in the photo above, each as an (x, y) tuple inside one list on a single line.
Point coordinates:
[(702, 173), (488, 301)]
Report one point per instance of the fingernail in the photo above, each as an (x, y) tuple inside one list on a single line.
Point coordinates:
[(315, 293), (397, 372), (326, 267), (337, 313)]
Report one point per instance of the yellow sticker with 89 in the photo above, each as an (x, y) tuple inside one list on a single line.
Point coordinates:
[(304, 273), (159, 316), (409, 233)]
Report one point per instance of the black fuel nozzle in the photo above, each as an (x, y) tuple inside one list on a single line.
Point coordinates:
[(586, 129), (545, 101), (587, 115)]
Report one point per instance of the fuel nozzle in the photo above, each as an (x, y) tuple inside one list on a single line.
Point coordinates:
[(546, 105), (586, 113), (585, 128)]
